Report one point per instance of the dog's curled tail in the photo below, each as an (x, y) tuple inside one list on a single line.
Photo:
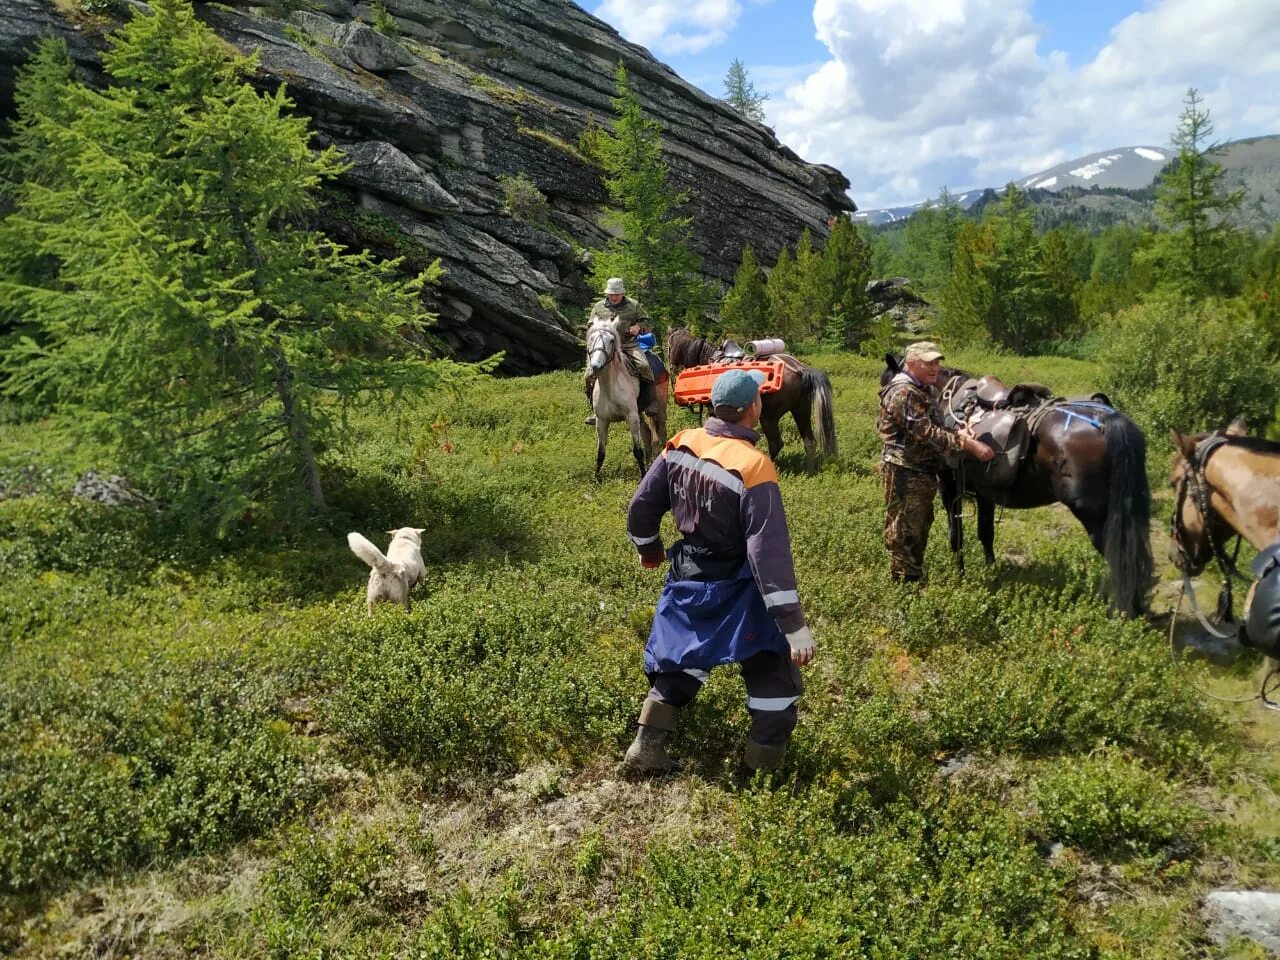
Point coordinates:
[(370, 554)]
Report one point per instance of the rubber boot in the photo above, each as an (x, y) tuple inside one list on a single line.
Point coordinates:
[(763, 756), (646, 395), (590, 386), (648, 751)]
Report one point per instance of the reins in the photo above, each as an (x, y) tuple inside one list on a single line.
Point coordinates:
[(1195, 484)]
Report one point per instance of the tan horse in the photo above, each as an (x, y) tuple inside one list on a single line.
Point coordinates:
[(616, 394), (1232, 478), (1228, 484)]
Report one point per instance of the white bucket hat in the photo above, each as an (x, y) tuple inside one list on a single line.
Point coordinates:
[(614, 285)]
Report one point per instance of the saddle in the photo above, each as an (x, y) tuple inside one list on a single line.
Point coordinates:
[(992, 393), (998, 415)]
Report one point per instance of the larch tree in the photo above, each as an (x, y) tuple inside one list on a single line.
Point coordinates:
[(174, 302), (1193, 254), (740, 92), (653, 254), (745, 310)]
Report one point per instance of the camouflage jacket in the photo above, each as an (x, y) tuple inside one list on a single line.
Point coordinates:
[(912, 436), (625, 315)]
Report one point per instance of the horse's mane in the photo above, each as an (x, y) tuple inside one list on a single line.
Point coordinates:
[(1254, 444), (686, 350)]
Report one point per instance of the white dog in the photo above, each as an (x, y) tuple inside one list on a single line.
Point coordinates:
[(392, 576)]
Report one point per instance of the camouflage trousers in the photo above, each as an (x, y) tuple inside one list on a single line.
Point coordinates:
[(908, 514)]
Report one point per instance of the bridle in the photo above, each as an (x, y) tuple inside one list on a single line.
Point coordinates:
[(1193, 484), (608, 347)]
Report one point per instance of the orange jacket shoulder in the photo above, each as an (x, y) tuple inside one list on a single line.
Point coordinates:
[(739, 456)]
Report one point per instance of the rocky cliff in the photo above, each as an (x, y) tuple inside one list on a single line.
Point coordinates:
[(448, 97)]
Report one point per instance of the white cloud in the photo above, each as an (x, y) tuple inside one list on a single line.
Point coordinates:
[(921, 93), (672, 26)]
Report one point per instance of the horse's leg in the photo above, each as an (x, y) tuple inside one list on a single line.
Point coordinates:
[(771, 432), (639, 439), (602, 434), (987, 528), (948, 489), (802, 413)]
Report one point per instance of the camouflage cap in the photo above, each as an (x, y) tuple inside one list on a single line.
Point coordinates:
[(925, 350)]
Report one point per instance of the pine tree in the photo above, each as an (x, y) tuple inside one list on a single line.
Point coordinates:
[(1193, 255), (177, 308), (967, 296), (781, 292), (811, 302), (740, 92), (842, 273), (653, 254), (745, 310)]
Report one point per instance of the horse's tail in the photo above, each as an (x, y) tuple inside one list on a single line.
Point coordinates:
[(818, 386), (1127, 532)]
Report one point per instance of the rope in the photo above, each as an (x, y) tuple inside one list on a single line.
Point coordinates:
[(1173, 655)]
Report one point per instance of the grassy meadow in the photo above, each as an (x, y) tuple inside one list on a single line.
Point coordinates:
[(212, 751)]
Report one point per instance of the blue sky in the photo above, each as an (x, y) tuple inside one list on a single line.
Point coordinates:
[(908, 96)]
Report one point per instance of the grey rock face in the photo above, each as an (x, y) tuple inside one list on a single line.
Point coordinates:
[(470, 91), (1252, 914)]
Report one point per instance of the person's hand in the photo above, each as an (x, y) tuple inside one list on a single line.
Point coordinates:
[(634, 329), (802, 646), (980, 450)]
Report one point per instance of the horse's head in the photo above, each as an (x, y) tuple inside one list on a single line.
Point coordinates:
[(892, 367), (1196, 527), (602, 344)]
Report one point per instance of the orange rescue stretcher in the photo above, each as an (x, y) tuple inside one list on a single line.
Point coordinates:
[(693, 384)]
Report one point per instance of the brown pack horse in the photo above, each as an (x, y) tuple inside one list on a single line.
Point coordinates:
[(1094, 462), (801, 391), (1226, 485)]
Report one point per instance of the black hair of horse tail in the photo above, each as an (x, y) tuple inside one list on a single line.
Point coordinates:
[(1127, 531), (818, 385)]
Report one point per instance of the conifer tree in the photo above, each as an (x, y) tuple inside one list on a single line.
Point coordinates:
[(740, 92), (176, 306), (811, 303), (745, 309), (966, 299), (653, 254), (1193, 254), (842, 273), (781, 292)]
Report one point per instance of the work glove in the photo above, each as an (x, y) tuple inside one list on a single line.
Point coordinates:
[(802, 645)]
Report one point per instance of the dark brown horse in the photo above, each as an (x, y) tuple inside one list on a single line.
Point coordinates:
[(1090, 457), (803, 388)]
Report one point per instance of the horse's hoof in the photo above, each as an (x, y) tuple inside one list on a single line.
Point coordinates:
[(590, 421)]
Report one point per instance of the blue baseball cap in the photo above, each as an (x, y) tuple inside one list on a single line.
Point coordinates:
[(736, 388)]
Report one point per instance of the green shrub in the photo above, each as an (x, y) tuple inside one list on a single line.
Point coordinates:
[(937, 877), (383, 21), (522, 199), (1107, 803), (1190, 366), (107, 767), (1062, 675)]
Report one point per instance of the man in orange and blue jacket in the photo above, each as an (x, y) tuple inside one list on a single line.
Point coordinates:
[(730, 594)]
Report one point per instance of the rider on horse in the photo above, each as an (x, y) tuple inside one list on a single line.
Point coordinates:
[(628, 318)]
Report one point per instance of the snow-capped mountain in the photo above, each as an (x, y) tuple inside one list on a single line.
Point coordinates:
[(1127, 168)]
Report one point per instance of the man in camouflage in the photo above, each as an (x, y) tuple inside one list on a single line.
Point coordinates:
[(916, 447), (628, 317)]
